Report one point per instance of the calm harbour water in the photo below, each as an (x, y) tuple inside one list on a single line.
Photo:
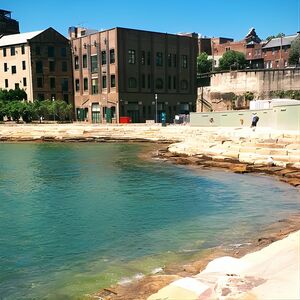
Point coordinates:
[(78, 217)]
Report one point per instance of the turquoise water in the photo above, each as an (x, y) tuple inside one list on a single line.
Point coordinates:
[(78, 217)]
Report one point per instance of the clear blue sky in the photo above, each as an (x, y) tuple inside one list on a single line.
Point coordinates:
[(228, 18)]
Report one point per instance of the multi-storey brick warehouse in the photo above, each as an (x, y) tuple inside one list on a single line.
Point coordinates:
[(123, 72), (39, 62)]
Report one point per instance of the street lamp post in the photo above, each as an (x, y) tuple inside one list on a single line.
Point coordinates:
[(155, 108)]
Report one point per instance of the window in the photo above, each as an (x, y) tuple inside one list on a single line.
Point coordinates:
[(184, 61), (12, 51), (22, 49), (143, 81), (38, 50), (65, 84), (159, 84), (51, 51), (159, 59), (132, 84), (5, 67), (148, 58), (169, 82), (169, 60), (24, 81), (76, 62), (143, 57), (39, 82), (64, 66), (113, 81), (13, 69), (95, 86), (184, 84), (52, 82), (131, 56), (6, 83), (112, 56), (63, 51), (85, 84), (103, 58), (104, 82), (23, 65), (149, 81), (84, 61), (66, 98), (4, 52), (39, 67), (174, 83), (51, 66), (17, 86), (94, 64), (77, 85), (175, 60)]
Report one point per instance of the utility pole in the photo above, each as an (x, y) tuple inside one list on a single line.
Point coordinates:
[(155, 108)]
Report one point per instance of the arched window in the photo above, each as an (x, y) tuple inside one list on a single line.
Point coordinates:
[(159, 84), (132, 83), (184, 84)]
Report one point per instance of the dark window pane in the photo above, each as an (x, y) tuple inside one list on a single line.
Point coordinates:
[(103, 58), (112, 56), (113, 81), (94, 64), (84, 61), (131, 56)]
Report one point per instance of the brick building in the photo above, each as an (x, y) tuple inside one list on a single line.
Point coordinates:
[(276, 52), (123, 73), (39, 62), (7, 24)]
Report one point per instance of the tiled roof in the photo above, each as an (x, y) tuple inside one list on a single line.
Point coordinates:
[(279, 42), (19, 38)]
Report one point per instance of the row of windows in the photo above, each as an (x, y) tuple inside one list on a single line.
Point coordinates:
[(94, 60), (51, 51), (159, 83), (132, 83), (159, 59), (52, 82), (17, 85), (52, 66), (13, 50), (132, 59), (14, 68), (95, 84)]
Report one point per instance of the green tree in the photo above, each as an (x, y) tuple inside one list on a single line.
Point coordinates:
[(204, 65), (232, 60), (2, 110), (294, 56), (28, 112), (13, 95), (15, 109), (275, 36)]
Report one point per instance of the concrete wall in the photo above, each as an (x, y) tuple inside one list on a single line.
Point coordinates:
[(259, 82), (281, 117)]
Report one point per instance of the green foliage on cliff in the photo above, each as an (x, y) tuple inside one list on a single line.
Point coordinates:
[(232, 60), (294, 56), (204, 65), (291, 94)]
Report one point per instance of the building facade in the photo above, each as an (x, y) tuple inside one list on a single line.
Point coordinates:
[(7, 24), (133, 73), (39, 62), (276, 52)]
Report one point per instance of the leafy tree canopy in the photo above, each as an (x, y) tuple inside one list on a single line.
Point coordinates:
[(13, 95), (294, 56), (232, 60), (204, 65), (275, 36)]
